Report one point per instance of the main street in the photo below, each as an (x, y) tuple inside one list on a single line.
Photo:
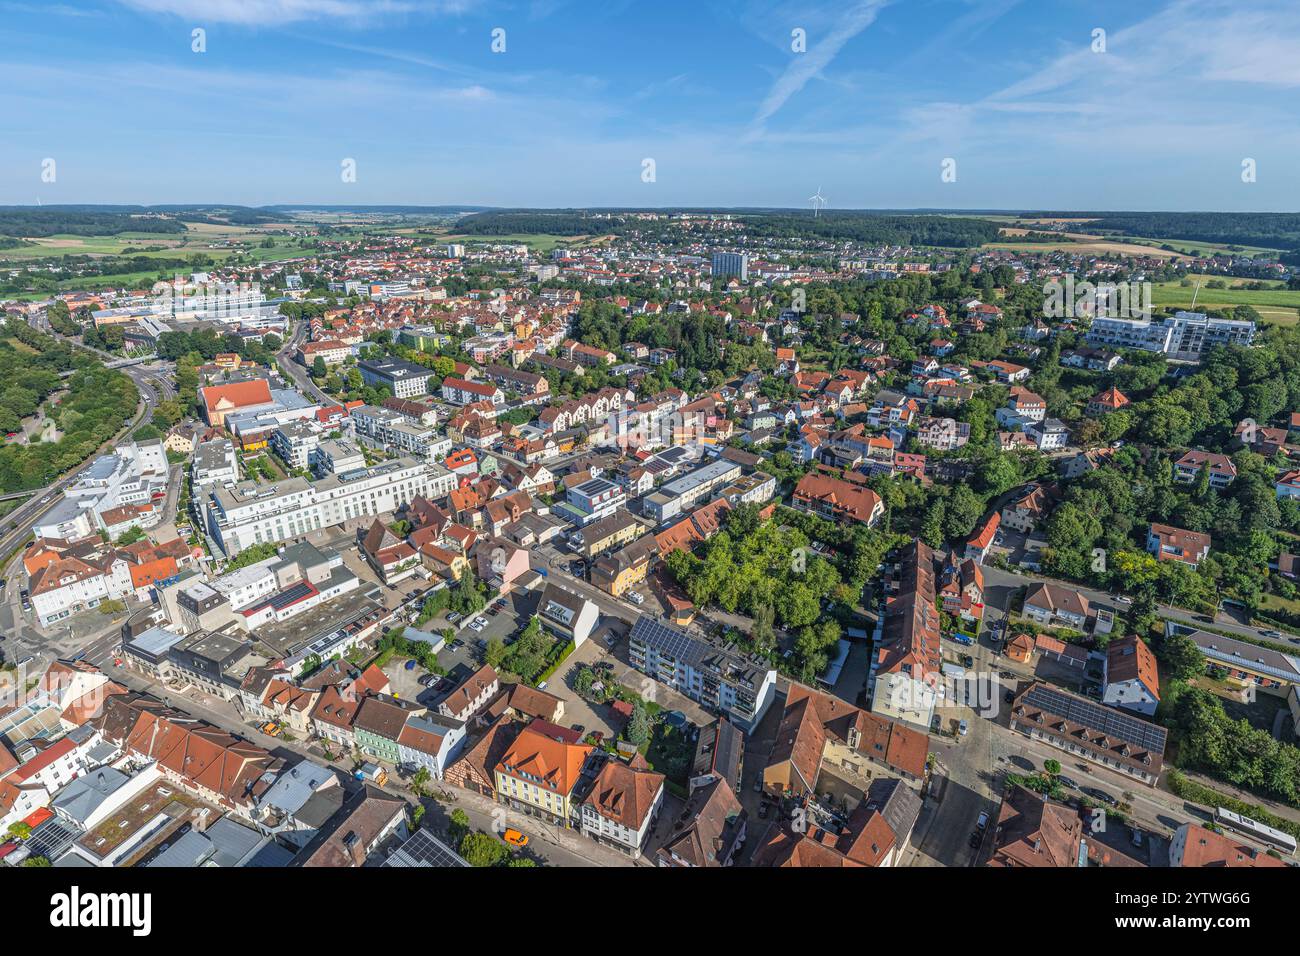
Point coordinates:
[(289, 365)]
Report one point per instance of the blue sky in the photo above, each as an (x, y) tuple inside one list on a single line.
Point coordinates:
[(710, 90)]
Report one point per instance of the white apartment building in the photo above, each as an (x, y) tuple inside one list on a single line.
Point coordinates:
[(403, 379), (395, 432), (295, 442), (1185, 335), (335, 457), (69, 585), (215, 462), (129, 476), (240, 516)]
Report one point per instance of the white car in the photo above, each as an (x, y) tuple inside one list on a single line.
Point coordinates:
[(477, 624)]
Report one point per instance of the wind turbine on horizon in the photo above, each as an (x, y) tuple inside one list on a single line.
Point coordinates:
[(818, 201)]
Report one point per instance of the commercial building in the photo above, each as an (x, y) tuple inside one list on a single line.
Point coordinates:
[(540, 772), (297, 579), (681, 494), (112, 493), (249, 513)]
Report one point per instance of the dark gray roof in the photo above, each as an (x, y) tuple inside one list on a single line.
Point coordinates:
[(719, 751), (897, 803), (83, 796)]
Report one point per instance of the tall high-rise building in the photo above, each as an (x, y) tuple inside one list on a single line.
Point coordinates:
[(731, 264)]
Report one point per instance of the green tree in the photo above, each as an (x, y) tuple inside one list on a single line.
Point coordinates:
[(420, 781), (1181, 658), (482, 850), (637, 730)]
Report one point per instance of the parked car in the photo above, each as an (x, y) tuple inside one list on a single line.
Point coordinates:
[(762, 810), (983, 820), (453, 617), (579, 728), (967, 660), (1137, 837), (514, 837), (962, 728), (1067, 781), (478, 624), (1121, 599), (1098, 794)]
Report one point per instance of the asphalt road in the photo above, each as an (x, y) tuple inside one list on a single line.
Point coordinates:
[(289, 365)]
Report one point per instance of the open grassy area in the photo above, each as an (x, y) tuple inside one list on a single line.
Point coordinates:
[(538, 242), (1081, 244), (1197, 248), (1277, 305), (1275, 602), (198, 238)]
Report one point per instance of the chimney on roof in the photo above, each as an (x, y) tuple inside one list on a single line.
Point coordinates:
[(201, 819), (355, 847)]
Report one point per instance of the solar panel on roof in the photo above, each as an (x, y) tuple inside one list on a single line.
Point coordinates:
[(666, 640), (424, 850), (1103, 719)]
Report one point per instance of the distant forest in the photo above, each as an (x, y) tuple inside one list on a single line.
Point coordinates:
[(830, 224), (869, 228), (40, 221), (1273, 230)]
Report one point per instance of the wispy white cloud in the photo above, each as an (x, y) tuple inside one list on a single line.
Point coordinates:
[(804, 66), (276, 12)]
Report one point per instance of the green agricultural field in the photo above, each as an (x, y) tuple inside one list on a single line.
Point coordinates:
[(1192, 247), (538, 242), (1279, 305)]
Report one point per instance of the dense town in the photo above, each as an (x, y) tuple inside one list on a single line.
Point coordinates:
[(701, 540)]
